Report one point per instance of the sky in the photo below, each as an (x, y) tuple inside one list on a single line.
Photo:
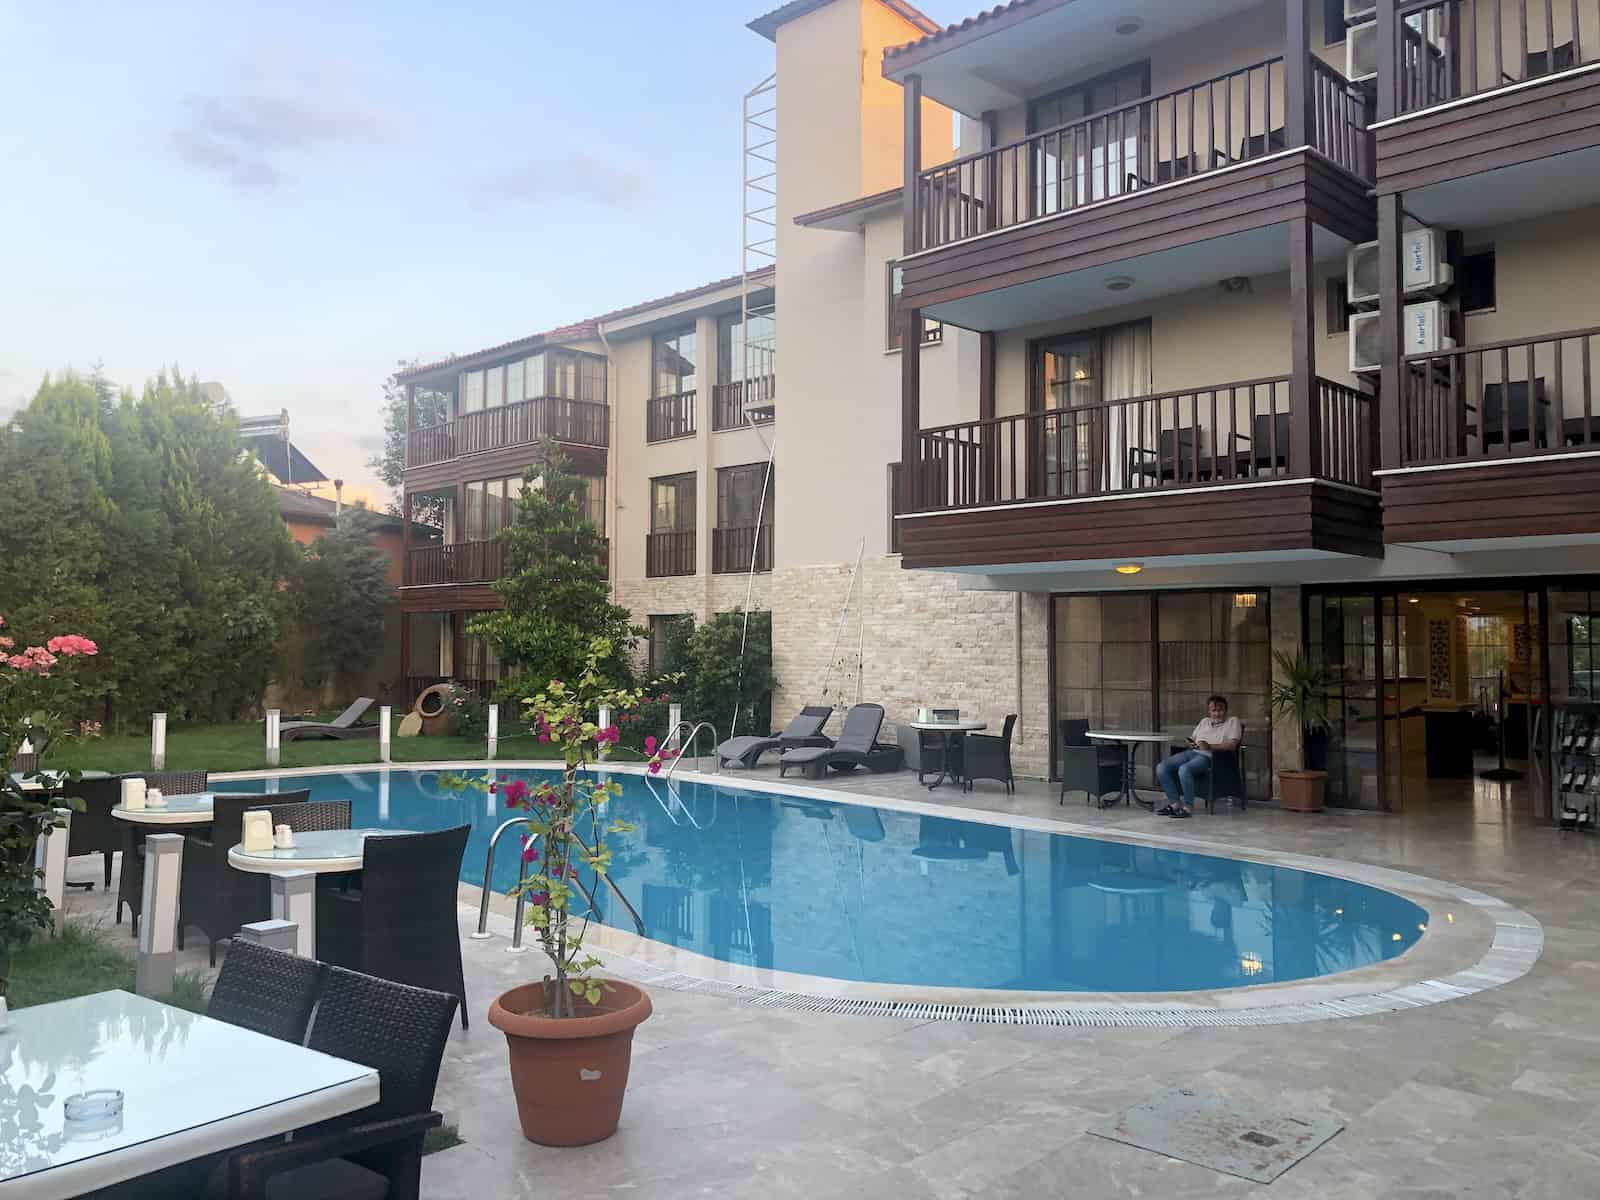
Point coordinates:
[(291, 198)]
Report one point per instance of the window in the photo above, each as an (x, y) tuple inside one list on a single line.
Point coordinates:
[(1333, 22), (494, 387), (594, 500), (489, 505), (731, 356), (672, 504), (740, 492), (1081, 100), (1338, 306), (674, 357), (932, 331), (662, 629), (533, 377), (1478, 281), (479, 662), (514, 384), (471, 391)]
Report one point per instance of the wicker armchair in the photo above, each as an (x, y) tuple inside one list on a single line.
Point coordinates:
[(130, 883), (307, 816), (215, 898), (1226, 777), (266, 990), (986, 756), (94, 830), (1097, 770), (400, 923), (401, 1031)]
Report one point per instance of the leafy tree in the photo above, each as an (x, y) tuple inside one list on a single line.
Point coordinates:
[(433, 408), (341, 599), (708, 658), (557, 600)]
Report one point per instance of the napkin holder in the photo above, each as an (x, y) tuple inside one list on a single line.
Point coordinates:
[(133, 792), (924, 716), (948, 716), (257, 831)]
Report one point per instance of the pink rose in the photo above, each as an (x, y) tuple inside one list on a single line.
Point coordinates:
[(7, 643), (20, 662), (72, 645)]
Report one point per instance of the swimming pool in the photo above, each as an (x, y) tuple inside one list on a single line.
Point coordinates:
[(849, 892)]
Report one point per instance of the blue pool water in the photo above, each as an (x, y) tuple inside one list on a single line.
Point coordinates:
[(857, 893)]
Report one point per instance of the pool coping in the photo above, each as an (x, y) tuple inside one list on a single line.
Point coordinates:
[(1505, 941)]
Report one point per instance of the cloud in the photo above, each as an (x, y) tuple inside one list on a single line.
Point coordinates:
[(283, 108), (574, 175)]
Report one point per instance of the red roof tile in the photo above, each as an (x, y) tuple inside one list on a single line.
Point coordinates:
[(971, 23), (767, 24)]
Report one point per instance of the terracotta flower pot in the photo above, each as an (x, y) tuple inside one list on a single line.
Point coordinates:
[(1302, 791), (569, 1074)]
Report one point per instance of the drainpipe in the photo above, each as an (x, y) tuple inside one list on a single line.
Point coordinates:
[(1016, 632), (611, 472)]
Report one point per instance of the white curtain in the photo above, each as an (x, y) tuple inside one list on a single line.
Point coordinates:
[(1128, 373)]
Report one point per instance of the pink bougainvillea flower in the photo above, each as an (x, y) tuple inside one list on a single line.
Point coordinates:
[(538, 899), (516, 793), (608, 735), (663, 698), (650, 744), (544, 737), (530, 849)]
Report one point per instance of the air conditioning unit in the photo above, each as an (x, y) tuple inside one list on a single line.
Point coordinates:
[(1361, 52), (1356, 11), (1423, 334), (1424, 270)]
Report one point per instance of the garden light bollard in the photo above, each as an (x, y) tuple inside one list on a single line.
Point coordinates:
[(674, 719), (158, 741), (274, 746), (385, 714), (494, 730), (294, 896), (157, 965), (50, 858), (274, 935)]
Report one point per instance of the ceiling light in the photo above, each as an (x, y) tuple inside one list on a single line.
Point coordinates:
[(1129, 26), (1119, 283), (1414, 600), (1129, 568)]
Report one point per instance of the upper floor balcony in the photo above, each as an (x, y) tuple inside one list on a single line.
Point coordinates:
[(573, 422)]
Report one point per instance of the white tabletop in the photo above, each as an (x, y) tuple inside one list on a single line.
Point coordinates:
[(322, 851), (192, 1086), (1135, 735), (948, 726), (191, 809)]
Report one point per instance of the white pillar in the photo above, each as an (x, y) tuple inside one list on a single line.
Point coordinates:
[(294, 898), (274, 747), (158, 919), (384, 715), (158, 741), (50, 857), (274, 935), (494, 730), (674, 719)]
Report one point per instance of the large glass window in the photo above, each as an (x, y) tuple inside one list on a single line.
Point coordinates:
[(731, 346), (470, 390), (740, 493), (494, 387), (672, 504), (533, 377), (674, 356), (479, 662), (514, 381), (662, 628), (490, 505), (594, 500)]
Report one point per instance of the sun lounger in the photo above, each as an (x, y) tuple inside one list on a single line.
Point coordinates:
[(342, 726), (805, 730), (857, 747)]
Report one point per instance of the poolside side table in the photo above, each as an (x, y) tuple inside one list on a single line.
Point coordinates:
[(1133, 739)]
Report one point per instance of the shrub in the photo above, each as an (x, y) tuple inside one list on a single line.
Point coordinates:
[(708, 659)]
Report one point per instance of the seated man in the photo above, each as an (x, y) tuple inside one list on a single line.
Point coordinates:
[(1217, 731)]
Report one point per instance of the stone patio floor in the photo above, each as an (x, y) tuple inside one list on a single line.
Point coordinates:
[(1494, 1095)]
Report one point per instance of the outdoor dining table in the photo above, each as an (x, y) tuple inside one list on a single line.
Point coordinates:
[(1132, 739), (320, 852), (191, 1087), (192, 809), (953, 730)]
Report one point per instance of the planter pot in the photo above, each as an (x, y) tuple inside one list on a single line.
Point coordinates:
[(1302, 791), (569, 1074)]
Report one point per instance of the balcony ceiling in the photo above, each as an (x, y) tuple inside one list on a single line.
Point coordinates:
[(1001, 68), (1255, 253), (1519, 193)]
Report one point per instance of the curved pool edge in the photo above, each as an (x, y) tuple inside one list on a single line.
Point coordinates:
[(1505, 941)]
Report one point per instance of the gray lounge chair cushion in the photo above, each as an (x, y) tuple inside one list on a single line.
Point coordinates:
[(343, 722), (804, 730), (856, 742)]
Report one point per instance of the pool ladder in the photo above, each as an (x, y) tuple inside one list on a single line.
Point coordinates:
[(518, 921), (688, 744)]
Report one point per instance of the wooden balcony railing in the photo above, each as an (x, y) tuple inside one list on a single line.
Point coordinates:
[(668, 554), (734, 547), (727, 403), (1227, 433), (575, 422), (462, 562), (668, 417), (1511, 399), (1451, 49), (1216, 123)]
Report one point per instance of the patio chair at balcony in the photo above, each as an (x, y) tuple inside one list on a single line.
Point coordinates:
[(988, 756), (1169, 170), (94, 830), (215, 898), (130, 879), (804, 730), (1173, 459), (401, 1032), (1506, 416), (1093, 768), (342, 726), (1258, 145), (267, 991), (399, 922), (1266, 449), (857, 747)]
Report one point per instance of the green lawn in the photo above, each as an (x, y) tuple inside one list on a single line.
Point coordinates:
[(81, 962), (241, 746)]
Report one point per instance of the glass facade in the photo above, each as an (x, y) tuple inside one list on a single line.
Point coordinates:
[(674, 363), (565, 374)]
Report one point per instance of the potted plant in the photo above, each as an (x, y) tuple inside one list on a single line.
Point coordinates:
[(1300, 694), (35, 690), (570, 1034)]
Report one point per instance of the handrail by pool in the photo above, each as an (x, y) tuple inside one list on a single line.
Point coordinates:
[(688, 744)]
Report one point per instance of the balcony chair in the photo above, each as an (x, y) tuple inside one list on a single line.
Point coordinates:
[(215, 897), (1261, 144), (1266, 448), (130, 879), (95, 830), (987, 756), (266, 990), (1094, 768), (1501, 427), (1173, 459), (1168, 170), (1226, 777), (399, 923)]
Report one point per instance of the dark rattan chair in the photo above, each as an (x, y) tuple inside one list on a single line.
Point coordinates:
[(94, 830), (987, 756), (266, 990), (1226, 777), (400, 923), (401, 1032), (1096, 769), (308, 816), (216, 898), (130, 882)]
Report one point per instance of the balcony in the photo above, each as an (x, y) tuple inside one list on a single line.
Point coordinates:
[(462, 562), (669, 417), (1499, 440), (1232, 468), (572, 422), (728, 403), (733, 550), (669, 554)]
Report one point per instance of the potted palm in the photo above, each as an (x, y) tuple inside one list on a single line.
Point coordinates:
[(570, 1034), (1300, 694)]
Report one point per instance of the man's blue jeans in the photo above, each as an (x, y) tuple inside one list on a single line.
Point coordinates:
[(1182, 769)]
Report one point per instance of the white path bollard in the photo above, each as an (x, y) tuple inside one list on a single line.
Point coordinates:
[(384, 715), (157, 965), (274, 746), (274, 935), (494, 730), (50, 857), (674, 719), (294, 898), (158, 741)]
